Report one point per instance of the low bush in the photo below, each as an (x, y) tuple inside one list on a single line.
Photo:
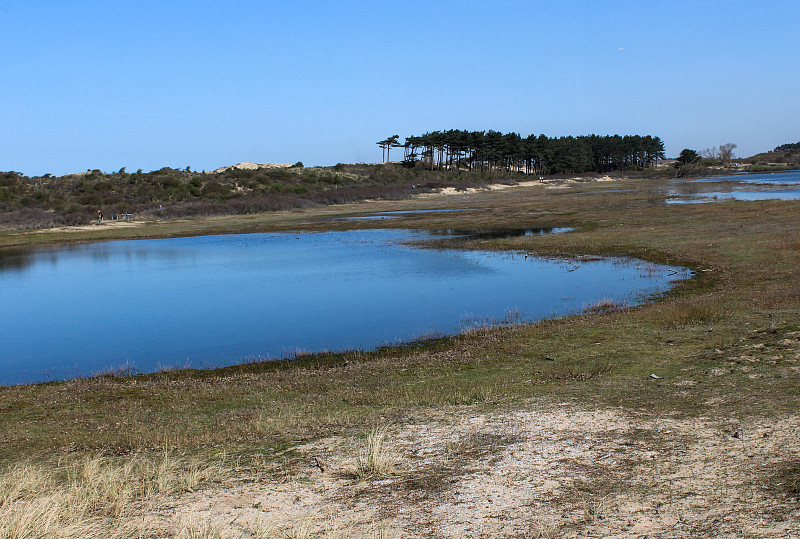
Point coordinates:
[(73, 199)]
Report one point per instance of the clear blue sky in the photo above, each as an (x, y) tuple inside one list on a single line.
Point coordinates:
[(147, 84)]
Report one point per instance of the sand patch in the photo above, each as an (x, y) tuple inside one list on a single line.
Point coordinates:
[(92, 226), (543, 472), (547, 184), (249, 166)]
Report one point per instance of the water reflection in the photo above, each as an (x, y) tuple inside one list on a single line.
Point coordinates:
[(218, 300), (14, 259), (22, 259)]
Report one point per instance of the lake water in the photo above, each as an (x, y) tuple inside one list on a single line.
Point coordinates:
[(718, 196), (771, 186), (771, 178), (219, 300)]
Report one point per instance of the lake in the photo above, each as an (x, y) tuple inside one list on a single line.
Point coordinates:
[(718, 196), (770, 186), (770, 178), (219, 300)]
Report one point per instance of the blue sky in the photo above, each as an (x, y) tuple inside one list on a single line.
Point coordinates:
[(147, 84)]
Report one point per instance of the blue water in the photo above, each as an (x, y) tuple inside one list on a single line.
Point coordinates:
[(717, 196), (771, 178), (219, 300), (771, 186)]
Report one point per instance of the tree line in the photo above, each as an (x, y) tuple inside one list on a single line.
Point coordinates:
[(541, 155), (788, 147)]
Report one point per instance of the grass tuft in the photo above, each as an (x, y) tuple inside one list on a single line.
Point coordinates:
[(202, 530), (690, 311), (376, 459), (604, 306), (580, 373), (119, 371)]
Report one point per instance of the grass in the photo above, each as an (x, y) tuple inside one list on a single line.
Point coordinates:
[(604, 306), (376, 460), (93, 495), (741, 310)]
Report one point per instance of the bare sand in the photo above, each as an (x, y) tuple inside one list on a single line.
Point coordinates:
[(528, 473), (111, 224), (547, 184), (246, 165)]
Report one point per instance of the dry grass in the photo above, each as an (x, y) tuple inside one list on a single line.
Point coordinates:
[(200, 530), (49, 517), (93, 497), (689, 311), (604, 306), (581, 372), (376, 458)]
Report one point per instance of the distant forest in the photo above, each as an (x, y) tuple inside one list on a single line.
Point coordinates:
[(787, 147), (539, 155)]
